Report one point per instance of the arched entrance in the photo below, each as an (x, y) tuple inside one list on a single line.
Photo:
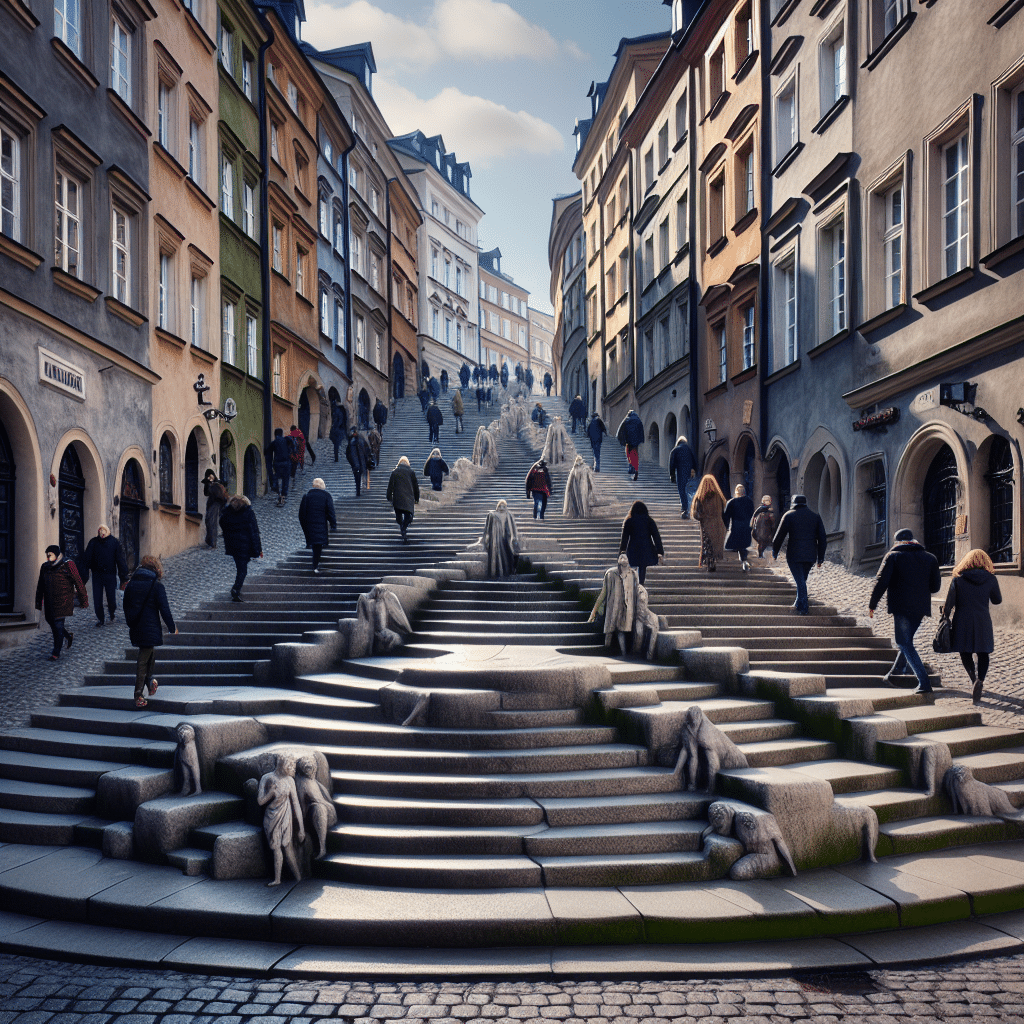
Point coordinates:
[(304, 413), (251, 472), (333, 394), (228, 473), (654, 440), (7, 510), (940, 500), (71, 502), (747, 461), (192, 473), (671, 430), (398, 376), (364, 410), (783, 484), (133, 502), (720, 471)]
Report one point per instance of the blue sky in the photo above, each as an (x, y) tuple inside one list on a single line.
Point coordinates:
[(503, 83)]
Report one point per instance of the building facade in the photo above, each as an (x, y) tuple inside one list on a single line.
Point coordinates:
[(542, 347), (567, 247), (504, 318), (404, 226)]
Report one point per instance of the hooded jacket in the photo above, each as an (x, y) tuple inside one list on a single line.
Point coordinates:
[(681, 463), (538, 479), (145, 603), (596, 431), (908, 576), (457, 407), (240, 529), (577, 409), (969, 597), (436, 468), (380, 413), (631, 431)]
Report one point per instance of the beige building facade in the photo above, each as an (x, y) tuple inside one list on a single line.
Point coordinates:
[(504, 317)]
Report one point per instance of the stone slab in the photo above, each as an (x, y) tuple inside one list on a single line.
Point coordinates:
[(335, 913), (69, 940), (418, 964), (119, 793), (990, 890), (843, 904), (920, 945), (126, 904), (920, 901), (1012, 923), (10, 924), (227, 955), (13, 855), (594, 915)]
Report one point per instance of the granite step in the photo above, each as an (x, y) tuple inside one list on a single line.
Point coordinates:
[(562, 812), (467, 813), (45, 797), (56, 769), (128, 749), (471, 871), (39, 828), (779, 753), (454, 841), (632, 837)]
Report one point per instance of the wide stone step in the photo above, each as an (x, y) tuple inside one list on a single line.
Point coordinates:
[(538, 618), (774, 753), (799, 626), (36, 828), (850, 776), (385, 810), (128, 750), (975, 739), (432, 840), (833, 668), (580, 638), (551, 719), (562, 812), (931, 717), (922, 835), (637, 837), (127, 678), (761, 730), (893, 805), (612, 870), (996, 765), (44, 797), (475, 871), (55, 769)]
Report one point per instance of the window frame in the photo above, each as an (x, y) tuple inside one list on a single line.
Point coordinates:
[(788, 92), (62, 216), (16, 180), (121, 279), (63, 31), (228, 341), (786, 308), (832, 87), (252, 344), (118, 75), (833, 275), (748, 318)]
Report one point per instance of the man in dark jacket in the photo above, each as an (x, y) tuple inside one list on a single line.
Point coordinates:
[(358, 454), (631, 435), (279, 454), (480, 399), (104, 559), (807, 541), (55, 596), (682, 465), (380, 415), (241, 539), (403, 493), (908, 576), (434, 420), (596, 431), (216, 498), (145, 604), (424, 396), (578, 412), (538, 487), (540, 417), (339, 426), (316, 511)]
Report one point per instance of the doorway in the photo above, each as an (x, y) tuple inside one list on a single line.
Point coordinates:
[(133, 502), (71, 503), (7, 510)]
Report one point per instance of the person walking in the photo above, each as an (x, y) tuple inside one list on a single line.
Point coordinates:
[(104, 560), (424, 396), (457, 410), (279, 454), (577, 410), (596, 431), (908, 576), (316, 513), (682, 466), (480, 400), (762, 525), (434, 420), (359, 455), (436, 468), (58, 583), (972, 589), (216, 498), (380, 415), (736, 516), (298, 457), (145, 604), (373, 439), (538, 487), (241, 539), (707, 508), (339, 426), (640, 540), (403, 493), (630, 435), (805, 533)]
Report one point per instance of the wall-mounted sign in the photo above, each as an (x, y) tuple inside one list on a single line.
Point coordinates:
[(879, 420), (926, 400), (61, 374)]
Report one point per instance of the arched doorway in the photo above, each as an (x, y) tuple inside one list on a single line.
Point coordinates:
[(748, 467), (671, 429), (333, 394), (166, 467), (1000, 489), (251, 472), (133, 501), (783, 483), (398, 376), (7, 510), (71, 503), (720, 471), (425, 371), (192, 473), (304, 413), (940, 500), (228, 473), (364, 410), (654, 440)]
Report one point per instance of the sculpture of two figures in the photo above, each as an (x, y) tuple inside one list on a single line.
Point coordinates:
[(485, 449), (623, 601), (579, 498), (501, 541), (556, 444), (764, 848), (380, 616)]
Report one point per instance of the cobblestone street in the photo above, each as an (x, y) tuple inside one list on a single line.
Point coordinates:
[(43, 992)]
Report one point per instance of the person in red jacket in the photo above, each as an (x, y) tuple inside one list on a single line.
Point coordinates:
[(538, 487), (55, 596)]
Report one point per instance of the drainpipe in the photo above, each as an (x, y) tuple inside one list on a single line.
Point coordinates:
[(764, 355), (265, 255), (633, 283), (391, 285), (691, 305), (349, 340)]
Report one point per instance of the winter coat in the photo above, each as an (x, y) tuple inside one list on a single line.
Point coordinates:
[(55, 591), (737, 515), (339, 423), (631, 431), (762, 525), (373, 439), (434, 387), (908, 576), (709, 514), (103, 555), (380, 413), (316, 510), (681, 463), (539, 416), (434, 416), (424, 396), (538, 479), (806, 534), (403, 489), (298, 446), (437, 469), (596, 431), (457, 407), (640, 540), (280, 451), (145, 603), (216, 493), (358, 453), (577, 409), (969, 596), (240, 529)]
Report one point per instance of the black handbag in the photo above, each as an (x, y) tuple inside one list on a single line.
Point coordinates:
[(942, 643)]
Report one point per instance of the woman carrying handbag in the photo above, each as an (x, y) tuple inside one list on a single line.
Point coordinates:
[(971, 590)]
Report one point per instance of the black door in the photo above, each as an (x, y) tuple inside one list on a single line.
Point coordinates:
[(364, 410), (227, 463), (783, 484), (721, 472), (71, 500), (192, 474), (304, 414), (251, 472), (748, 470), (398, 376), (6, 523), (133, 501), (941, 491)]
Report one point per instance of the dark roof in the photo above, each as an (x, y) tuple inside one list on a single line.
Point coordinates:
[(431, 150)]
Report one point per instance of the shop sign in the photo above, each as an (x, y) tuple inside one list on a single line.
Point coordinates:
[(879, 420), (61, 374)]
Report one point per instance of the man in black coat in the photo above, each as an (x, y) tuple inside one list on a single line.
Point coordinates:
[(578, 412), (380, 415), (280, 457), (807, 541), (145, 604), (104, 559), (424, 396), (596, 431), (339, 426), (316, 511), (403, 493), (358, 454), (908, 576), (480, 399), (682, 465), (216, 498), (631, 435), (241, 539), (434, 420)]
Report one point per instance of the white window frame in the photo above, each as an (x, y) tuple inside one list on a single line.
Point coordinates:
[(10, 182), (163, 292), (832, 67), (67, 24), (748, 180), (893, 12), (787, 113), (340, 337), (893, 255), (249, 209), (293, 97), (252, 364), (722, 339), (247, 65), (1017, 162), (227, 332), (360, 337), (68, 224), (325, 312), (834, 276), (278, 375), (195, 307), (786, 309), (227, 187), (682, 116), (164, 114), (275, 141), (121, 59), (300, 270), (749, 339), (277, 240), (323, 213), (356, 253), (956, 217), (226, 54), (195, 150)]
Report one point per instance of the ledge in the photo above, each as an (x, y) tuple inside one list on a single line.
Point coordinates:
[(784, 372), (875, 57), (202, 355), (170, 159), (682, 138), (820, 8), (21, 11), (744, 375), (744, 69), (787, 160), (128, 114), (1004, 252), (170, 510), (883, 318), (785, 54), (74, 285), (199, 194), (831, 114), (170, 339), (745, 221), (784, 12), (945, 285), (71, 61), (683, 251), (20, 253), (194, 518), (125, 312), (720, 101), (718, 389), (828, 343), (718, 245), (1005, 13), (193, 23)]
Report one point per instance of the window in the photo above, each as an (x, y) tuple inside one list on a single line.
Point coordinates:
[(278, 371), (1000, 483), (293, 96), (786, 311), (876, 497), (376, 271), (748, 336), (610, 213), (325, 313), (356, 253), (324, 216), (67, 24), (68, 224), (495, 323), (10, 183), (339, 325), (195, 302), (227, 187), (301, 176), (723, 354), (448, 331), (447, 273), (744, 35), (1017, 163), (649, 270), (247, 64), (663, 145), (433, 264), (249, 209), (163, 116), (434, 325), (360, 337), (506, 329), (681, 339), (832, 68), (833, 252), (227, 332), (716, 75), (745, 180), (195, 141), (610, 295), (378, 349), (892, 245), (300, 270), (716, 208), (275, 142), (682, 221), (664, 254), (893, 12), (251, 347), (458, 281), (956, 194), (164, 293), (681, 117), (120, 255), (623, 271), (375, 201), (166, 471), (225, 47), (648, 168), (785, 120), (504, 300), (278, 240), (339, 228), (121, 61)]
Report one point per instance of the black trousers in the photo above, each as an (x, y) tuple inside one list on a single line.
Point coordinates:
[(404, 520), (317, 552), (358, 476), (59, 634), (104, 583), (241, 571)]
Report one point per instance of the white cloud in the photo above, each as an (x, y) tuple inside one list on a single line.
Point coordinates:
[(395, 40), (487, 30), (477, 129)]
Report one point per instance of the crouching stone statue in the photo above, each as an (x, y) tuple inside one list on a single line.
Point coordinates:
[(704, 750), (764, 848)]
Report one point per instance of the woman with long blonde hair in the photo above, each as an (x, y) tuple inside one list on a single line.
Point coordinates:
[(971, 590), (707, 508)]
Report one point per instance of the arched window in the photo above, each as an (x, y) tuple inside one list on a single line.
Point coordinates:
[(133, 504), (1000, 487), (654, 438), (251, 472), (748, 468), (166, 471), (940, 499), (783, 483), (227, 462), (876, 496), (192, 474)]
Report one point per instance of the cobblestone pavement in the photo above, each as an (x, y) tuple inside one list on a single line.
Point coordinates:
[(1003, 702), (43, 992)]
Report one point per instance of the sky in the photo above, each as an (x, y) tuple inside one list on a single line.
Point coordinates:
[(503, 83)]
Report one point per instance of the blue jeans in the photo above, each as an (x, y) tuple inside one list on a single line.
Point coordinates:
[(283, 472), (905, 627), (800, 571), (597, 457), (540, 503)]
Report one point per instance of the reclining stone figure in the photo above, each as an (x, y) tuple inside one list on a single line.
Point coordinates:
[(977, 799), (765, 849)]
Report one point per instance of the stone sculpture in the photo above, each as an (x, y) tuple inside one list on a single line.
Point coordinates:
[(557, 445), (645, 627), (977, 799), (485, 449), (579, 499), (705, 749), (380, 615), (618, 601), (765, 850), (186, 761), (501, 541), (316, 802), (283, 813)]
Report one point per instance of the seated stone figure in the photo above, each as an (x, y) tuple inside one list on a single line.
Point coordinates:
[(186, 761), (380, 610), (579, 498), (557, 445), (316, 802), (618, 601), (705, 749), (645, 627), (765, 849), (283, 815), (977, 799), (485, 449)]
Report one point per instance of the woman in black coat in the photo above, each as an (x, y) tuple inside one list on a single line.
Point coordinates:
[(971, 590), (737, 515), (437, 469), (316, 512), (241, 538), (145, 604), (640, 539)]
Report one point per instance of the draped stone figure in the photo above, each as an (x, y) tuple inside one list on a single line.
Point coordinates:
[(283, 815), (485, 449), (579, 498), (975, 798), (557, 444), (618, 600), (186, 761), (645, 626), (501, 541), (380, 610), (316, 802)]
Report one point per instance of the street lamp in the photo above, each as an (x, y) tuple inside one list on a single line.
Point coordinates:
[(710, 429)]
